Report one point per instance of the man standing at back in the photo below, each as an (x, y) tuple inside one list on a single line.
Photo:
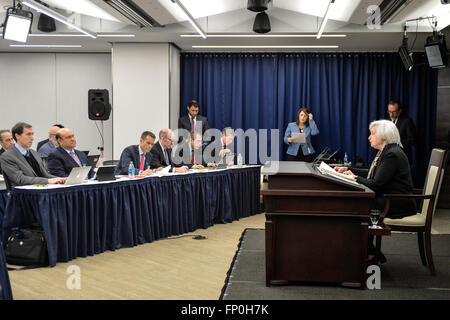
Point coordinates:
[(139, 155), (21, 164), (65, 157), (193, 121), (405, 127)]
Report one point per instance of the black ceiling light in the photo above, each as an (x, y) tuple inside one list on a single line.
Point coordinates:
[(45, 23), (436, 50), (257, 5), (262, 23)]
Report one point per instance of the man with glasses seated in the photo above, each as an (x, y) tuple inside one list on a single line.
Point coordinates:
[(61, 162), (51, 144), (162, 152)]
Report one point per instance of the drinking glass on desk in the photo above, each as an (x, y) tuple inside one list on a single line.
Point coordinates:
[(374, 217)]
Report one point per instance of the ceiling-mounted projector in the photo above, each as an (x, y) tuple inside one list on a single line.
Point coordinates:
[(257, 5)]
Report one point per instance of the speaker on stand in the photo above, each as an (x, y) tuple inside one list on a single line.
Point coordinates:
[(99, 109)]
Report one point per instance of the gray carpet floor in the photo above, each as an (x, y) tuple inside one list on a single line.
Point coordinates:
[(402, 277)]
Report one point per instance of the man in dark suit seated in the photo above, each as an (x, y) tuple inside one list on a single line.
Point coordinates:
[(221, 151), (47, 146), (405, 127), (190, 153), (193, 121), (61, 161), (6, 141), (162, 153), (138, 154), (21, 164)]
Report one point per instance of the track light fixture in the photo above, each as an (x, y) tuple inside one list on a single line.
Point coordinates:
[(262, 22), (257, 5), (405, 54), (436, 50), (17, 23)]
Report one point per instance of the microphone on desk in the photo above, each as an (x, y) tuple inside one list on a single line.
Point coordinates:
[(321, 155)]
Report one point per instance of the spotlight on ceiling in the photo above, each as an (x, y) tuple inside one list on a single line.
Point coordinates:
[(262, 23), (436, 50), (405, 55), (257, 5), (17, 24)]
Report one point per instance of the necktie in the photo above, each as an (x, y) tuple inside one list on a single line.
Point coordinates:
[(192, 158), (76, 160), (166, 157), (192, 124), (141, 166)]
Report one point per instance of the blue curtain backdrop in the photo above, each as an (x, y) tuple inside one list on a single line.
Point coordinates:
[(344, 91)]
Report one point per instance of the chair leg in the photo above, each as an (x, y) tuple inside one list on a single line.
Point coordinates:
[(421, 249), (428, 252)]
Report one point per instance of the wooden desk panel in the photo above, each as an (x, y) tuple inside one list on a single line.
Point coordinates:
[(316, 228)]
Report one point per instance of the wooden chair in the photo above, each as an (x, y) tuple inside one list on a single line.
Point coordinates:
[(421, 222)]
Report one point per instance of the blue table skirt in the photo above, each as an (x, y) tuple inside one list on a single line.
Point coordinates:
[(5, 286), (89, 219)]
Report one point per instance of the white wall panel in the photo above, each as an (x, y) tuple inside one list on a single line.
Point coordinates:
[(140, 74), (47, 88), (76, 74), (27, 91)]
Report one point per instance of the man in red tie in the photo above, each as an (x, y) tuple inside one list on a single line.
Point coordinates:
[(139, 155), (192, 121), (61, 161)]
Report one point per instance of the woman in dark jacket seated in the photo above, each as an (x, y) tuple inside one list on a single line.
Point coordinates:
[(389, 172)]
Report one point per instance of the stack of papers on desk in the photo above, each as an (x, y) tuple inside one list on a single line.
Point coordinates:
[(327, 170)]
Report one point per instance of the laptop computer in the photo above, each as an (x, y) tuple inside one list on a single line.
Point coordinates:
[(93, 160), (106, 173), (77, 175)]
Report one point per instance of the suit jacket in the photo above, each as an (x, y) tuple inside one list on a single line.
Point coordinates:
[(309, 131), (131, 153), (392, 174), (1, 152), (60, 163), (18, 170), (185, 123), (182, 154), (210, 155), (407, 132), (41, 143), (158, 159)]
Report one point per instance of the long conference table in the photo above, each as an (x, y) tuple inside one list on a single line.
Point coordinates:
[(5, 286), (93, 217)]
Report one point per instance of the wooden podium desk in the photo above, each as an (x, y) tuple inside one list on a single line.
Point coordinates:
[(316, 226)]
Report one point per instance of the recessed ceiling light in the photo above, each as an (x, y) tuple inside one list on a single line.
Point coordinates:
[(287, 35), (80, 35), (271, 47), (45, 45)]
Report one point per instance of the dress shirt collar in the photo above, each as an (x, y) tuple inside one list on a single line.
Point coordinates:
[(140, 151), (22, 150), (190, 117), (163, 149), (69, 151)]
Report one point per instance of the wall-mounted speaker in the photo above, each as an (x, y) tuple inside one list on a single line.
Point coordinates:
[(98, 104)]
